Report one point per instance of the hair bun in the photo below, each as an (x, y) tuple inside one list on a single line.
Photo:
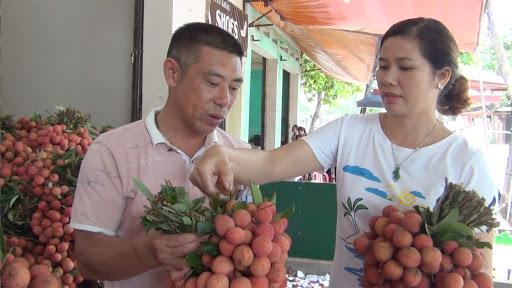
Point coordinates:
[(454, 99)]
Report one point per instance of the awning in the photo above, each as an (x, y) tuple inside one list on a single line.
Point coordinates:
[(341, 36), (490, 80), (489, 97)]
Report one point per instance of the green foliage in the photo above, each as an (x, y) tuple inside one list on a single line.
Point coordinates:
[(450, 228), (210, 248), (257, 198), (473, 211), (458, 212), (172, 211), (314, 81), (466, 58), (506, 101), (193, 260), (16, 209), (7, 125), (285, 213), (488, 54)]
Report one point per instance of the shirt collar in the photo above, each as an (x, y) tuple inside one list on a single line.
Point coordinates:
[(157, 137)]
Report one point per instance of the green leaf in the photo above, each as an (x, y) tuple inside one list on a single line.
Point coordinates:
[(148, 224), (257, 198), (239, 205), (482, 245), (181, 207), (349, 204), (210, 248), (273, 199), (206, 227), (445, 224), (214, 203), (284, 214), (360, 207), (181, 195), (11, 215), (186, 220), (168, 194), (13, 200), (198, 202), (142, 188), (450, 230), (453, 216), (193, 260), (462, 229), (450, 236)]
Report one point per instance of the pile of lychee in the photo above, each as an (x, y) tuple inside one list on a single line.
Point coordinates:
[(252, 249), (398, 253)]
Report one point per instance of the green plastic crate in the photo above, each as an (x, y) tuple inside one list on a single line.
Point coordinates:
[(313, 224)]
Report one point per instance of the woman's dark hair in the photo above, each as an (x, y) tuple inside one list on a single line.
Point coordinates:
[(186, 40), (438, 46)]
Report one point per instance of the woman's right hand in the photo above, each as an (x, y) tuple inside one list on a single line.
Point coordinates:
[(213, 172)]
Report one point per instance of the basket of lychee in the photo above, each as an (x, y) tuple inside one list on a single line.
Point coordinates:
[(247, 244), (428, 248)]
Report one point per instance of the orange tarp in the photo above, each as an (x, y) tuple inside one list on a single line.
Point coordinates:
[(341, 35)]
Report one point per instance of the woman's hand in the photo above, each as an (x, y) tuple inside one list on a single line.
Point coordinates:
[(212, 173)]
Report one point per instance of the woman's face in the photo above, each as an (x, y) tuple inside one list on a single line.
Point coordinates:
[(407, 82)]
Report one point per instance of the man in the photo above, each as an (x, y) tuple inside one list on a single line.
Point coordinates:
[(204, 73)]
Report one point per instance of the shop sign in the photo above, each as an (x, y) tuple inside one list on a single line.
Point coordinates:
[(229, 17)]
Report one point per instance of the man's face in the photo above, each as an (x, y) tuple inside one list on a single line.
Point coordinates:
[(206, 91)]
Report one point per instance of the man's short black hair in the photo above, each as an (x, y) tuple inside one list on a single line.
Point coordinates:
[(185, 42)]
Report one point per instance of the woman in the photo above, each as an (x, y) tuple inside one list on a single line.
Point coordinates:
[(399, 157)]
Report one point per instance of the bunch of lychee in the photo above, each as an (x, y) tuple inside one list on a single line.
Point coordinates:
[(38, 179), (397, 254), (253, 248)]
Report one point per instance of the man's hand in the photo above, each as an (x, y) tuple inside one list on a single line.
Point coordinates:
[(170, 250), (178, 277)]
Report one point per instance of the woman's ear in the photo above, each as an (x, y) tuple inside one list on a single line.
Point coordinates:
[(171, 72), (443, 76)]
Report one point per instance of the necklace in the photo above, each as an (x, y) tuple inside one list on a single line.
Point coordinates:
[(398, 165)]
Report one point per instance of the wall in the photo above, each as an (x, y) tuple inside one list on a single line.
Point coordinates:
[(70, 52), (281, 53), (156, 37), (161, 19)]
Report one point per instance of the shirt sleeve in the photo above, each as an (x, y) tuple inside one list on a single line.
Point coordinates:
[(99, 202), (324, 142)]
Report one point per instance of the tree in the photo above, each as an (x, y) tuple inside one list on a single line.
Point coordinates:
[(323, 88), (502, 59), (466, 58), (505, 70)]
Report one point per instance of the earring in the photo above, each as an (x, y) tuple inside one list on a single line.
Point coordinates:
[(440, 86)]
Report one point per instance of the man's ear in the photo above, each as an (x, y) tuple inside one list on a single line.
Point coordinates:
[(443, 76), (172, 72)]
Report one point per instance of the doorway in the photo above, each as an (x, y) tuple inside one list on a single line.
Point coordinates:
[(257, 101)]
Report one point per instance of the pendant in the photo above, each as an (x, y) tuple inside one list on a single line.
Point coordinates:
[(396, 173)]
